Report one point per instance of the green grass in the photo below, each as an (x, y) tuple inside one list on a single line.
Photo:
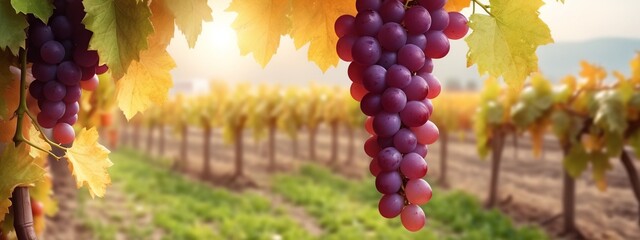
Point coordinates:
[(344, 209), (189, 210), (344, 206)]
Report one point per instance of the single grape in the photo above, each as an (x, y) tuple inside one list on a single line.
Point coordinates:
[(344, 47), (393, 100), (389, 159), (54, 91), (373, 78), (421, 149), (437, 44), (428, 66), (371, 104), (368, 23), (417, 39), (53, 110), (355, 72), (363, 5), (63, 133), (432, 5), (414, 114), (87, 73), (71, 120), (387, 59), (412, 218), (392, 36), (371, 147), (417, 20), (35, 89), (374, 168), (37, 209), (392, 11), (391, 205), (71, 109), (344, 25), (368, 125), (52, 52), (44, 72), (404, 140), (357, 91), (366, 51), (386, 124), (46, 121), (413, 166), (429, 105), (39, 34), (73, 94), (418, 191), (412, 57), (388, 182), (434, 85), (417, 89), (427, 133), (398, 76), (69, 73), (439, 20), (91, 84), (61, 27), (457, 27)]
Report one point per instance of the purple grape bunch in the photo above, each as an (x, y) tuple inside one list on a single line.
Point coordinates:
[(62, 66), (391, 44)]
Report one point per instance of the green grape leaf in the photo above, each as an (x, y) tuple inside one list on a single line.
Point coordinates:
[(42, 9), (120, 30), (189, 17), (610, 113), (575, 162), (17, 168), (504, 44), (12, 28), (614, 143)]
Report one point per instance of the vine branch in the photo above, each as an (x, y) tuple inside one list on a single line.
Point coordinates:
[(485, 7)]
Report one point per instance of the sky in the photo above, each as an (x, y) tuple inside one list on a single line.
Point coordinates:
[(216, 55)]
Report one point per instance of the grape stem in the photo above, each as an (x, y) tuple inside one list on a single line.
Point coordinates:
[(23, 218), (483, 6)]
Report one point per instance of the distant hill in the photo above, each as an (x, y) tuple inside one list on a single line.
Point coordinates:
[(556, 60)]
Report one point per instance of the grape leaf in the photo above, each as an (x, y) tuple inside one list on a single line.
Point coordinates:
[(189, 17), (259, 26), (313, 22), (35, 137), (505, 43), (16, 169), (600, 165), (120, 30), (593, 73), (611, 114), (456, 5), (634, 142), (635, 69), (148, 80), (89, 162), (42, 9), (575, 162), (12, 28), (10, 97)]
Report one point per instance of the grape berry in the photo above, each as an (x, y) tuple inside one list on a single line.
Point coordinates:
[(391, 44), (62, 66)]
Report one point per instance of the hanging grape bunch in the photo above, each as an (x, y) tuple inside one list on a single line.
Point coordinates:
[(390, 45), (62, 66)]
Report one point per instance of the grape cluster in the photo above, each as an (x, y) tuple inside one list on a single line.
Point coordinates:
[(391, 44), (62, 67)]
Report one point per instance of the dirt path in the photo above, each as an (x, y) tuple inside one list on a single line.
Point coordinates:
[(533, 185)]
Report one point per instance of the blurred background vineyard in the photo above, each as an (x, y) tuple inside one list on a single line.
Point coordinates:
[(241, 152)]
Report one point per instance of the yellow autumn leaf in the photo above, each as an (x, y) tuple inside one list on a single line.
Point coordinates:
[(259, 26), (89, 162), (505, 43), (593, 74), (148, 80), (456, 5), (35, 137), (17, 168), (635, 69), (313, 22), (189, 15)]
